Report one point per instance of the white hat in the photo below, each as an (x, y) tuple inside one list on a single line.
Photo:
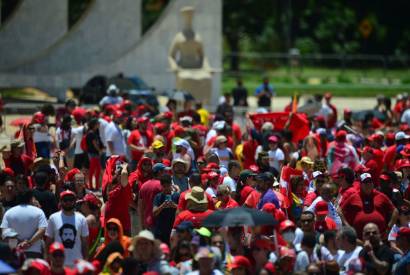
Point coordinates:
[(182, 142), (219, 125), (114, 88), (365, 176), (144, 234), (401, 135), (316, 174)]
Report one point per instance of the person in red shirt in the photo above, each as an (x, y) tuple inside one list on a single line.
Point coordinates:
[(323, 221), (224, 198), (16, 159), (119, 196), (370, 162), (331, 121), (344, 179), (369, 205), (249, 149), (147, 193), (56, 258), (139, 140), (391, 152), (194, 180), (197, 208)]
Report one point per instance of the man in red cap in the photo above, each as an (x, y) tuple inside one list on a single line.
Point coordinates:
[(240, 265), (323, 221), (369, 205), (392, 151), (56, 257), (69, 228), (368, 157), (260, 252), (340, 154)]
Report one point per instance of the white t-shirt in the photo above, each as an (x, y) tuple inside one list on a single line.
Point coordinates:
[(101, 130), (405, 117), (78, 136), (68, 230), (224, 156), (303, 259), (63, 134), (211, 191), (343, 258), (274, 157), (332, 211), (230, 182), (114, 134), (25, 219)]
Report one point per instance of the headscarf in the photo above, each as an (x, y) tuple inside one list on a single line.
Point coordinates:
[(29, 147), (124, 240), (69, 177), (109, 170), (138, 175)]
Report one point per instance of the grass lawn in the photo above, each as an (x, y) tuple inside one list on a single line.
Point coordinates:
[(347, 83)]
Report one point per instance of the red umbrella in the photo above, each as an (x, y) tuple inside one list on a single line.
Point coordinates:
[(20, 121)]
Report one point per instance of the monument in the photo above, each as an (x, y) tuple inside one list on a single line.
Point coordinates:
[(188, 61)]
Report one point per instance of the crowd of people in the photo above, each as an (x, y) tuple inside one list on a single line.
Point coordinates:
[(125, 189)]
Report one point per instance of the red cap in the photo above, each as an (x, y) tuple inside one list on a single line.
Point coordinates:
[(404, 232), (143, 119), (165, 248), (367, 149), (273, 139), (321, 208), (360, 169), (341, 135), (402, 163), (286, 224), (38, 118), (240, 261), (168, 115), (254, 168), (269, 207), (117, 114), (212, 165), (8, 171), (270, 267), (347, 111), (70, 174), (91, 198), (390, 136), (67, 193), (56, 246), (213, 175), (384, 177), (320, 118), (79, 114), (160, 126)]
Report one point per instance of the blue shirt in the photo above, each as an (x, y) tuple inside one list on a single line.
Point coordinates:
[(261, 88), (401, 267), (269, 196)]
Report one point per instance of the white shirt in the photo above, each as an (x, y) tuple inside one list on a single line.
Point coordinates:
[(113, 133), (25, 219), (68, 230), (303, 259), (405, 117), (274, 157), (62, 134), (224, 156), (101, 130), (332, 211), (78, 133), (343, 258)]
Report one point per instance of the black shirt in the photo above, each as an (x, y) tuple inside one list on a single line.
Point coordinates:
[(47, 200), (383, 253), (91, 136), (240, 96)]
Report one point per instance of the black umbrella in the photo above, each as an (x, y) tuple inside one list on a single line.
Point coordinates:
[(239, 216)]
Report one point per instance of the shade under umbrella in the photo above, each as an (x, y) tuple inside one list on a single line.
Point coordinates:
[(239, 216)]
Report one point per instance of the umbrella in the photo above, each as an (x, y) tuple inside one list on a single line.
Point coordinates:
[(361, 115), (20, 121), (5, 268), (239, 216)]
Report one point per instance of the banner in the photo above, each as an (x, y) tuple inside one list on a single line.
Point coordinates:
[(299, 125)]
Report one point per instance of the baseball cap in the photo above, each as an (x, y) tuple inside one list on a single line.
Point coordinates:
[(341, 135), (203, 231), (404, 232), (204, 252), (316, 174), (286, 224), (240, 261), (67, 193), (157, 144), (245, 174), (185, 226), (56, 246), (400, 136), (159, 167), (273, 139), (365, 176), (321, 208), (92, 199)]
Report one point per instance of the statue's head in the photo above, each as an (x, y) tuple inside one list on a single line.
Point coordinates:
[(187, 13)]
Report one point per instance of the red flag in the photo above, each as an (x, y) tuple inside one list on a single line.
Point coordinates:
[(299, 125)]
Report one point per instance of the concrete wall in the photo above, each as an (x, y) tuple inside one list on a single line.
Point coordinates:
[(104, 32), (34, 26), (146, 58)]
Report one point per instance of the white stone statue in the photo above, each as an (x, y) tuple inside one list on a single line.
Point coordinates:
[(187, 60)]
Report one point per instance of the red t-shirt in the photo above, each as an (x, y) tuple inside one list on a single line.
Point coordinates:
[(389, 156), (230, 204), (182, 203), (147, 193), (236, 130), (253, 199), (373, 170), (325, 225), (359, 210), (346, 193), (135, 138), (195, 217), (119, 199)]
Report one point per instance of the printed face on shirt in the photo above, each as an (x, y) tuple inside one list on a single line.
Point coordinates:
[(68, 234)]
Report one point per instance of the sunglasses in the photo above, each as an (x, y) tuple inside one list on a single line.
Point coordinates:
[(368, 233), (217, 242), (112, 228), (68, 199), (58, 254), (31, 129)]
